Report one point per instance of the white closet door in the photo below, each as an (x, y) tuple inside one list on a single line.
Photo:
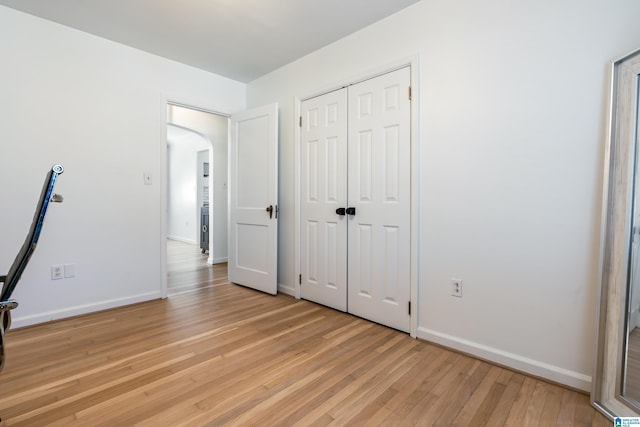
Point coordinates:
[(253, 199), (379, 190), (323, 232)]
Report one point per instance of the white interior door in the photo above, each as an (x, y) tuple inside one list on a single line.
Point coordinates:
[(323, 234), (380, 191), (253, 199)]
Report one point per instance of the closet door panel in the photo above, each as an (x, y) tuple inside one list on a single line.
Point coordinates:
[(323, 240), (379, 190)]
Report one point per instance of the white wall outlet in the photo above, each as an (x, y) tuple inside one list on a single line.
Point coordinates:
[(148, 178), (57, 272), (69, 270), (456, 288)]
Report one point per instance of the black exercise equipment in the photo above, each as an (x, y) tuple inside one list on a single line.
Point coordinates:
[(11, 279)]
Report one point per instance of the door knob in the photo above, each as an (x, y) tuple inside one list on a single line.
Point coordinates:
[(340, 211), (270, 210), (351, 211)]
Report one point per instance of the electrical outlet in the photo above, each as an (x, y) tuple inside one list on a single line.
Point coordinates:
[(57, 272), (456, 288), (69, 270), (147, 178)]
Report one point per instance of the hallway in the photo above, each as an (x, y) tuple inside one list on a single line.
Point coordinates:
[(188, 271)]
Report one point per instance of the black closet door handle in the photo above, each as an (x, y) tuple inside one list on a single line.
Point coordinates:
[(351, 211), (340, 211)]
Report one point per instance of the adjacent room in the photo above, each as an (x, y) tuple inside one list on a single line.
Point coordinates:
[(317, 213)]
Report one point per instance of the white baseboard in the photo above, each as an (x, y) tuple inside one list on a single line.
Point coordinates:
[(287, 290), (183, 239), (510, 360), (220, 260), (19, 322), (634, 321)]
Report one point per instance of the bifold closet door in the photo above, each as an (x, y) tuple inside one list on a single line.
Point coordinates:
[(355, 199), (323, 231), (380, 191)]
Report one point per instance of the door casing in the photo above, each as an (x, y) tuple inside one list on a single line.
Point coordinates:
[(164, 185)]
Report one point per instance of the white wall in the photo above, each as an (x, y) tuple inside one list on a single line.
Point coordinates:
[(183, 218), (512, 125), (215, 128), (98, 108)]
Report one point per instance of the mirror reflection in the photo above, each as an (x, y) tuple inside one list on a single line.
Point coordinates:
[(631, 378), (616, 379)]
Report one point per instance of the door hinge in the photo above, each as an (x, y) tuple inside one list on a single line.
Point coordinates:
[(300, 279), (300, 121), (409, 93), (409, 308)]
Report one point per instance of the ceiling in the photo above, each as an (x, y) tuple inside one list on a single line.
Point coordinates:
[(238, 39)]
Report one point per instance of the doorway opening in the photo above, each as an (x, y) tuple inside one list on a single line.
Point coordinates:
[(196, 198)]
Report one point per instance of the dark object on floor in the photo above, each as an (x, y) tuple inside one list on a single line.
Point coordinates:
[(10, 281)]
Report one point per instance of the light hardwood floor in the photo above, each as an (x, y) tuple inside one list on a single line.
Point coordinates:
[(187, 268), (632, 389), (226, 355)]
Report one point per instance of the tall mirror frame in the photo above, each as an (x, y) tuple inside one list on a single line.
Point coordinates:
[(621, 174)]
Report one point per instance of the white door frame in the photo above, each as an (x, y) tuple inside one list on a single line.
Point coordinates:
[(413, 63), (164, 185)]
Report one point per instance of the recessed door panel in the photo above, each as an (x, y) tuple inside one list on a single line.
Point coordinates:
[(311, 171), (253, 257), (363, 262), (253, 177), (331, 173), (362, 162), (391, 168), (334, 271), (391, 239)]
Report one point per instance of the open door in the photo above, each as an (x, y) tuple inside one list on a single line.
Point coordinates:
[(253, 199)]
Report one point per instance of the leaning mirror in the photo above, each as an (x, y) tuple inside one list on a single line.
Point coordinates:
[(616, 381)]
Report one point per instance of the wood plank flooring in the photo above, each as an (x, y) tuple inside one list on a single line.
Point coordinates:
[(227, 355), (632, 390), (187, 268)]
